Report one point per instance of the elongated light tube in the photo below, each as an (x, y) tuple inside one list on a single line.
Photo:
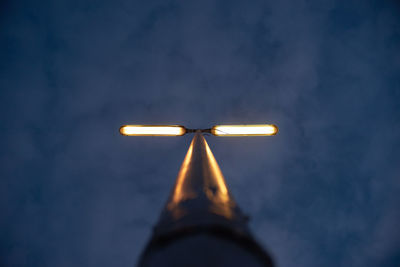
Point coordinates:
[(245, 130), (152, 130)]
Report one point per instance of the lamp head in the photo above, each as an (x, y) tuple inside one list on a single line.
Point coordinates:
[(217, 130)]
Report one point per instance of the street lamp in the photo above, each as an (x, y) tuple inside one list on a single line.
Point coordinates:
[(201, 223), (217, 130)]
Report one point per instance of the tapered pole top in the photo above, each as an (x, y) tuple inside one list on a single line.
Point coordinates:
[(200, 195)]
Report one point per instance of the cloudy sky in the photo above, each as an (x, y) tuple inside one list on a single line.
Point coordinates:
[(324, 192)]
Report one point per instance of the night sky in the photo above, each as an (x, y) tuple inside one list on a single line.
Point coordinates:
[(324, 192)]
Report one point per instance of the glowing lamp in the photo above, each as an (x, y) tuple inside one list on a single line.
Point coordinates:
[(244, 130), (152, 130)]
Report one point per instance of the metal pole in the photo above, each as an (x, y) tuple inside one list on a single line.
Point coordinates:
[(201, 224)]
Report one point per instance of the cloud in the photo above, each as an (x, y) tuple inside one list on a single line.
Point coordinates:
[(321, 192)]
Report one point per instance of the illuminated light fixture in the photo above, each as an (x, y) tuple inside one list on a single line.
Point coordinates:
[(244, 130), (217, 130), (152, 130)]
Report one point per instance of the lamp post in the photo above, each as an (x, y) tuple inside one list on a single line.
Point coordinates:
[(201, 224)]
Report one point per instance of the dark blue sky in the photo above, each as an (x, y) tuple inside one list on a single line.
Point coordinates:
[(324, 192)]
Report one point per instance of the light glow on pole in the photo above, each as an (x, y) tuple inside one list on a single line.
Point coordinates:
[(152, 130), (245, 130)]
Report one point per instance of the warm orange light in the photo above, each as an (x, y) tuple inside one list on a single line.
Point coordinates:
[(217, 174), (244, 130), (178, 194), (152, 130)]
